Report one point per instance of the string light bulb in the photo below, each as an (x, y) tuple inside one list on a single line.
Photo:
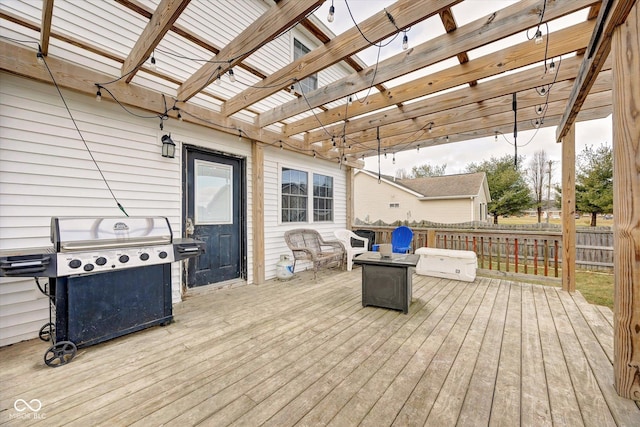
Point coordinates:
[(496, 137), (179, 116), (552, 66), (218, 80), (385, 153), (405, 41), (332, 11), (394, 159), (350, 100), (98, 95), (232, 77), (430, 127), (40, 57), (538, 37), (447, 138), (153, 61), (539, 110), (418, 149)]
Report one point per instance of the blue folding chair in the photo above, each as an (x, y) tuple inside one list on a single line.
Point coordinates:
[(400, 240)]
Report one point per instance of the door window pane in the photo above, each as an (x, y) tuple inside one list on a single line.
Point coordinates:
[(213, 193)]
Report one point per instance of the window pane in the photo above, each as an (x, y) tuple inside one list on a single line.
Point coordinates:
[(322, 198), (294, 199), (213, 193)]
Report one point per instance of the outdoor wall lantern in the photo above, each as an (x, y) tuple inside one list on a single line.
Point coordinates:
[(168, 147)]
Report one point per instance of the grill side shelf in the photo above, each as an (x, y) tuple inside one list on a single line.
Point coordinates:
[(28, 266)]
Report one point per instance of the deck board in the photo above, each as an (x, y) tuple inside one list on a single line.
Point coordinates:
[(307, 353)]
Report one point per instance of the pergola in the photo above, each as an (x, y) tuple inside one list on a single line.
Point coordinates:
[(522, 86)]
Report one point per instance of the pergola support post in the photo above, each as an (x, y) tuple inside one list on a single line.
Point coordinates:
[(569, 210), (625, 53), (350, 206), (257, 210)]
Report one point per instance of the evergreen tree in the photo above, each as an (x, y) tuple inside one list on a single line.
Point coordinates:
[(594, 181), (510, 193)]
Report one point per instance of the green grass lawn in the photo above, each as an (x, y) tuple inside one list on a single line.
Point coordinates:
[(595, 286)]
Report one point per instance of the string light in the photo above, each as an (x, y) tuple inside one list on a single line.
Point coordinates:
[(281, 146), (218, 80), (232, 77), (405, 41), (350, 101), (418, 149), (98, 94), (447, 138), (496, 137), (552, 66), (394, 159), (153, 61), (538, 36), (332, 11), (40, 58), (430, 127)]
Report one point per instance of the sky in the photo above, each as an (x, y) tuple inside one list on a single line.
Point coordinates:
[(458, 155)]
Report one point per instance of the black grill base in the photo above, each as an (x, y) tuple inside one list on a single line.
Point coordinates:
[(98, 307)]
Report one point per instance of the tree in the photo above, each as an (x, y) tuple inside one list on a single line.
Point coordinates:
[(594, 181), (402, 174), (507, 185), (428, 170), (539, 169)]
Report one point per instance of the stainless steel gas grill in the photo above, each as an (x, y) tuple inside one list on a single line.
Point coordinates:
[(107, 277)]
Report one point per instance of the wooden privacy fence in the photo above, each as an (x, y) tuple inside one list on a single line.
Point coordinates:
[(515, 250)]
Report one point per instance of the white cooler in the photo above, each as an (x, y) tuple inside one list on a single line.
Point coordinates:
[(447, 263)]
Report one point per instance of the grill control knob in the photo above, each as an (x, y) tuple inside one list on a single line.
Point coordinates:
[(88, 267), (123, 258), (101, 260), (162, 254), (75, 263), (144, 256)]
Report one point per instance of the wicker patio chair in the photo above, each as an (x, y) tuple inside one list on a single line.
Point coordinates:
[(307, 245)]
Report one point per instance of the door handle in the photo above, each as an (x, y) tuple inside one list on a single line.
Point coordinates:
[(189, 228)]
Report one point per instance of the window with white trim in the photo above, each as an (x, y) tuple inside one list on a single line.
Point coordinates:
[(295, 200), (294, 189), (322, 198)]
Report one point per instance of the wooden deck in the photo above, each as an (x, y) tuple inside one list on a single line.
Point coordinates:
[(306, 353)]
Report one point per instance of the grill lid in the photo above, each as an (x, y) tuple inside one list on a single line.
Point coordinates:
[(83, 233)]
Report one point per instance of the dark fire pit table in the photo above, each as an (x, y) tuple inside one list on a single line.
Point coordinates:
[(386, 282)]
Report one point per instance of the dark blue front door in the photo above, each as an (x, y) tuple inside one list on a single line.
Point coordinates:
[(214, 207)]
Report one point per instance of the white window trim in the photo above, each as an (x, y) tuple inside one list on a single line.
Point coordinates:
[(310, 173)]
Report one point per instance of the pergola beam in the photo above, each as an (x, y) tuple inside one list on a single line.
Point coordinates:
[(509, 21), (486, 111), (479, 127), (22, 61), (167, 12), (378, 27), (45, 26), (277, 19), (612, 13), (511, 58)]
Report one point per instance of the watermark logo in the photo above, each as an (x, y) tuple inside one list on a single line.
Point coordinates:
[(27, 410)]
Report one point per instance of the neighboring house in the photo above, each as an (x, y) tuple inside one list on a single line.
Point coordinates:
[(446, 199), (46, 171)]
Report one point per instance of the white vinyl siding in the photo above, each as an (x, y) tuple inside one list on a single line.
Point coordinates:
[(46, 171), (274, 229), (398, 204)]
